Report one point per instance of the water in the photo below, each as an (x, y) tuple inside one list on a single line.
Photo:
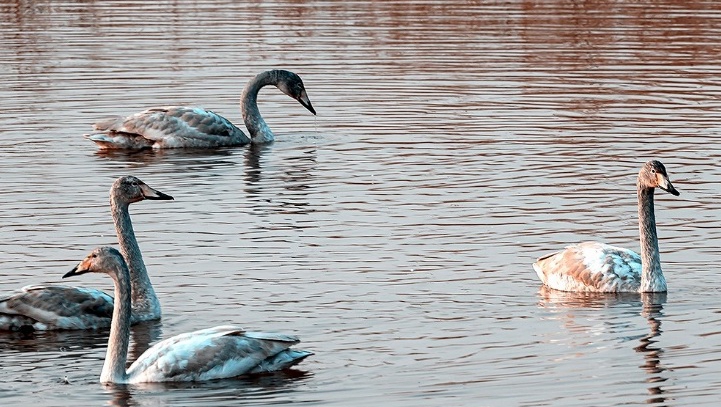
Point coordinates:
[(394, 233)]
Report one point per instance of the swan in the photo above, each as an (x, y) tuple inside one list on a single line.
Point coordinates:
[(598, 267), (195, 127), (51, 307), (213, 353)]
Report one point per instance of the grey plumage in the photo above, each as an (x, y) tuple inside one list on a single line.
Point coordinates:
[(195, 127), (51, 307)]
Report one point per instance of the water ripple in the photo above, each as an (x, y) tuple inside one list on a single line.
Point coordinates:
[(394, 232)]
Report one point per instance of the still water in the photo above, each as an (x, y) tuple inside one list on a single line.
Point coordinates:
[(394, 232)]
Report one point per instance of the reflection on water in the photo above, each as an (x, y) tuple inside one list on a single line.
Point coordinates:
[(258, 387), (653, 312), (648, 305), (53, 341), (253, 161), (143, 335), (186, 160), (394, 232), (283, 184), (551, 298)]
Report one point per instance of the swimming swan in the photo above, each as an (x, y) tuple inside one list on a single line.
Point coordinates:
[(52, 307), (194, 127), (598, 267), (213, 353)]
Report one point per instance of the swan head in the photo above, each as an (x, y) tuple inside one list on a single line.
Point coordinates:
[(291, 84), (653, 175), (101, 260), (131, 189)]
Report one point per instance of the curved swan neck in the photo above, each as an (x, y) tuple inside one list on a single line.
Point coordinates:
[(257, 127), (652, 279), (119, 339), (144, 300)]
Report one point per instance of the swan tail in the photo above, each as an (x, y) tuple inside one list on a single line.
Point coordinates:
[(113, 140), (281, 360)]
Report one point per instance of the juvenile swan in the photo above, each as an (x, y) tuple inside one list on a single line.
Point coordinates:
[(194, 127), (598, 267), (62, 307), (213, 353)]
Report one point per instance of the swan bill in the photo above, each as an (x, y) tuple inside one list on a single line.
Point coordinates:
[(305, 101), (76, 271), (154, 194), (668, 187)]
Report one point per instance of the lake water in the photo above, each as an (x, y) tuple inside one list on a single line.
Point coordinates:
[(455, 142)]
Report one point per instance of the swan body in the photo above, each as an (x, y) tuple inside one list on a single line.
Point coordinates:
[(206, 354), (599, 267), (50, 307), (195, 127), (53, 307)]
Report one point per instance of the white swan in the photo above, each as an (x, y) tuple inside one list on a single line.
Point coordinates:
[(53, 307), (213, 353), (194, 127), (598, 267)]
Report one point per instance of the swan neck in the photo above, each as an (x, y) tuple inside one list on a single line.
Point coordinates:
[(144, 301), (652, 279), (119, 339), (254, 122)]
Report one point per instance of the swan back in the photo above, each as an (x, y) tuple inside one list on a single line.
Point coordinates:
[(45, 307), (168, 127), (590, 267), (215, 353)]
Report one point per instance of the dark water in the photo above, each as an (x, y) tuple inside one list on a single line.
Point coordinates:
[(394, 233)]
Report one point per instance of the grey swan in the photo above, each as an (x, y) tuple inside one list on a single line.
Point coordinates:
[(54, 307), (195, 127)]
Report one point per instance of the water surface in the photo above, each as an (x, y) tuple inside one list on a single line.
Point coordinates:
[(394, 232)]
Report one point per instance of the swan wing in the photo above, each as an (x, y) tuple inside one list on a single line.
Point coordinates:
[(56, 307), (213, 353), (168, 127), (591, 267)]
